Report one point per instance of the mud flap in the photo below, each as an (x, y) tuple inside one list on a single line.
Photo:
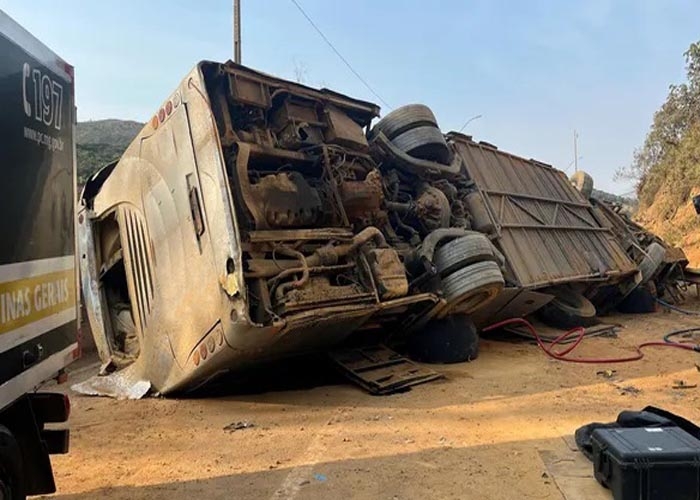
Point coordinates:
[(381, 371)]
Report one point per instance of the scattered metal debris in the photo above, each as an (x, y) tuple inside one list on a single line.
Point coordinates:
[(237, 426), (629, 390), (380, 370), (124, 384), (682, 384)]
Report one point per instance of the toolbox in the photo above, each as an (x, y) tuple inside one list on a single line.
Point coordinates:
[(647, 463)]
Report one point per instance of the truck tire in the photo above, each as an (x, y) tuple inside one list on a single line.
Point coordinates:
[(11, 481), (405, 118), (655, 254), (424, 142), (464, 251), (568, 309), (471, 287), (453, 339), (641, 300)]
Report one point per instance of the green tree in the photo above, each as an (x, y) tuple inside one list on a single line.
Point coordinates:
[(670, 151)]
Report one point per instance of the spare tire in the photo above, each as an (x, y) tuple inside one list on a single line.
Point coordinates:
[(568, 309), (463, 251), (471, 287), (453, 339), (583, 183), (654, 258), (425, 142), (405, 118)]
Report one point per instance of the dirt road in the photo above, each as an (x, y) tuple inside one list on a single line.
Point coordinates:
[(496, 428)]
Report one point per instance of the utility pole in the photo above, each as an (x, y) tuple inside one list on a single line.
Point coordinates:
[(575, 151), (237, 31)]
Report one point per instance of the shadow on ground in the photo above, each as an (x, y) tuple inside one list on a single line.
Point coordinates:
[(294, 374), (441, 472)]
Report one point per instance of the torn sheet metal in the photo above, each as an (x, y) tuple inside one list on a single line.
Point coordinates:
[(123, 384)]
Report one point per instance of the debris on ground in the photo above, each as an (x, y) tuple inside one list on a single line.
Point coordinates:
[(606, 373), (237, 426), (380, 370), (629, 389), (682, 384), (123, 384)]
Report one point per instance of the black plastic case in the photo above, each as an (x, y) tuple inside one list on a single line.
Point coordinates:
[(659, 463)]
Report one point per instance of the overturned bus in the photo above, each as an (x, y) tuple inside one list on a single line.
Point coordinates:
[(254, 218)]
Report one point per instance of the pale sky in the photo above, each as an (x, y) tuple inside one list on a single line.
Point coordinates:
[(535, 70)]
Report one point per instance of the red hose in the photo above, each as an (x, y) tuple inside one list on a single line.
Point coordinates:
[(580, 331)]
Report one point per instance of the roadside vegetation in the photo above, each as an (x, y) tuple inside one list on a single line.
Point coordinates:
[(666, 167)]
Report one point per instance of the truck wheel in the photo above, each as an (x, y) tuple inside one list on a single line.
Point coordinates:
[(425, 142), (405, 118), (568, 309), (471, 287), (461, 252), (11, 483), (655, 254), (453, 339), (640, 301)]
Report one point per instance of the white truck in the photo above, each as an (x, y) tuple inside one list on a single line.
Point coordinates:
[(38, 282)]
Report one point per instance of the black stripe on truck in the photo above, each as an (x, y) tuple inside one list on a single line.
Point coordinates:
[(24, 356)]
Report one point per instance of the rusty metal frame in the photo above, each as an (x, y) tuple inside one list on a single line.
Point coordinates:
[(547, 231)]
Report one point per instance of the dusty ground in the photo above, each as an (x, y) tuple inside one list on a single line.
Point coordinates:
[(485, 432)]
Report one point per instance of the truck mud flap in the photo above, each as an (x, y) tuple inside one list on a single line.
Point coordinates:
[(381, 371)]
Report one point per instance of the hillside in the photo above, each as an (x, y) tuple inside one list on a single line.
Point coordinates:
[(667, 165), (101, 141), (111, 131)]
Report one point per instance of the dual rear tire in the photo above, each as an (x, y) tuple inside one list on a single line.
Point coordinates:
[(470, 274), (413, 129), (471, 277)]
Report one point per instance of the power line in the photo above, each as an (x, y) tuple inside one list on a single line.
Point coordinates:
[(325, 38), (475, 117)]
